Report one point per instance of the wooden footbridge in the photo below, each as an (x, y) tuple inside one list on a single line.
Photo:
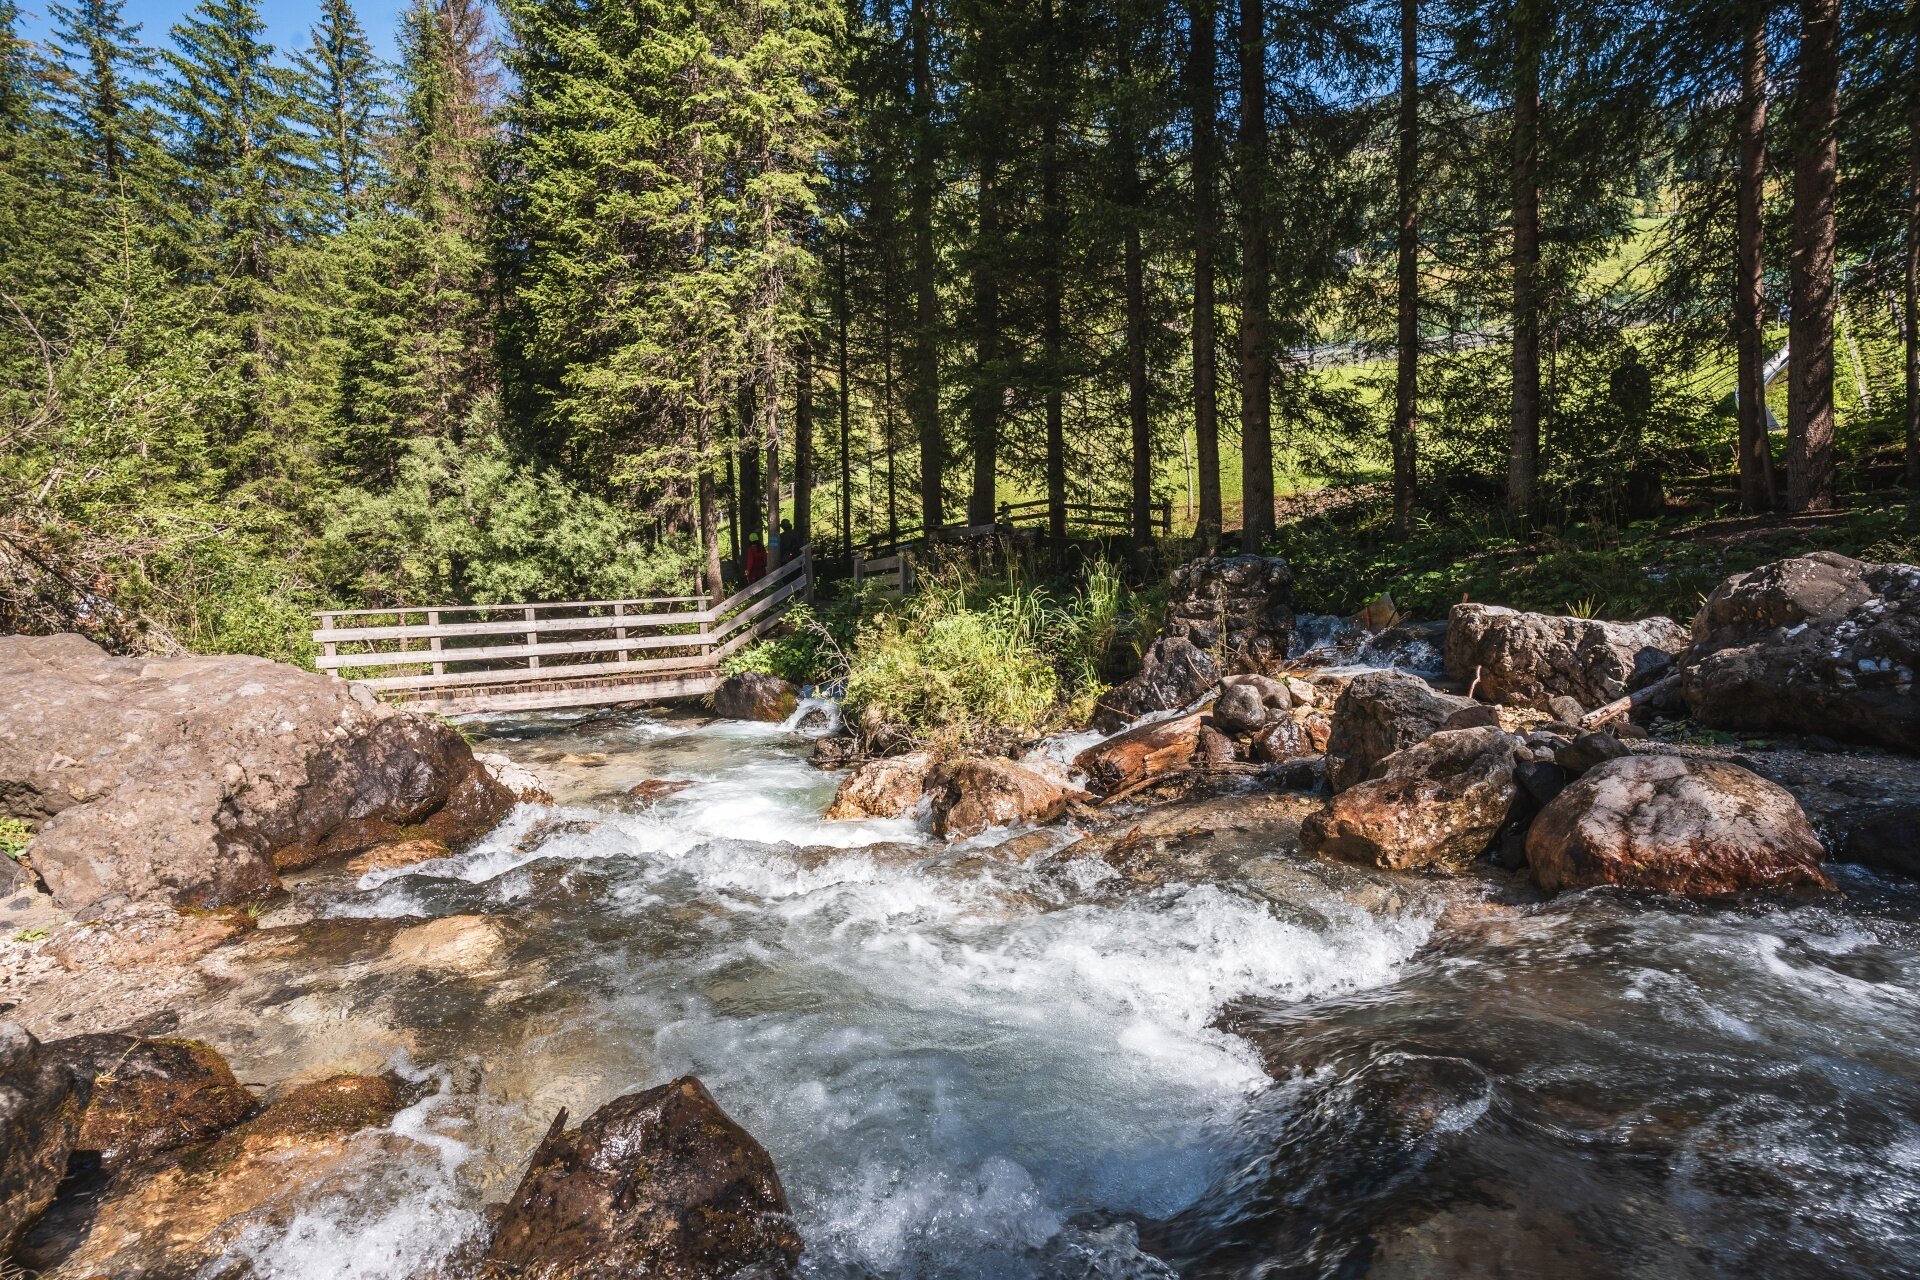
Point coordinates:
[(456, 659)]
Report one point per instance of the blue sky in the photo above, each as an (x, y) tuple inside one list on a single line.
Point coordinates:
[(287, 20)]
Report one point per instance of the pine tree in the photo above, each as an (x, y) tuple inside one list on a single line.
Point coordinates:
[(103, 92), (1810, 342), (345, 101)]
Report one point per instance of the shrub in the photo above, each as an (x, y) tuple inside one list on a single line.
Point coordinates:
[(15, 835)]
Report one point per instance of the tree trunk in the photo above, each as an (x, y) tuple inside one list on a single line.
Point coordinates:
[(1053, 212), (1523, 452), (770, 411), (846, 430), (1206, 214), (1810, 331), (751, 515), (803, 443), (1256, 354), (1407, 374), (710, 535), (733, 508), (1913, 262), (1137, 419), (1755, 454), (925, 406), (984, 403)]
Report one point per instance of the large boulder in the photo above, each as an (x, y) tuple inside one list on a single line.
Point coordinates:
[(1239, 608), (661, 1183), (1377, 714), (1173, 675), (150, 1095), (1438, 803), (755, 695), (1819, 644), (193, 781), (40, 1108), (976, 792), (179, 1214), (1676, 825), (1529, 659), (886, 787)]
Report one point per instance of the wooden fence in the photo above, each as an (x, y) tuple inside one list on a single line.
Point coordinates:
[(516, 657)]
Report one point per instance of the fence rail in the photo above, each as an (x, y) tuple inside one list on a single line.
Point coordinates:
[(572, 653)]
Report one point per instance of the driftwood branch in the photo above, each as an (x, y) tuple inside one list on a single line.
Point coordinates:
[(1620, 706)]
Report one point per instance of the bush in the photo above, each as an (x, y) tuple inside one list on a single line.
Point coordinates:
[(809, 648), (14, 837), (965, 657)]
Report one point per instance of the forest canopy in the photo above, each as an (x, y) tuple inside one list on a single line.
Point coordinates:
[(574, 299)]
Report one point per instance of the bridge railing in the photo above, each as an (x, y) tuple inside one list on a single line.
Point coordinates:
[(407, 652)]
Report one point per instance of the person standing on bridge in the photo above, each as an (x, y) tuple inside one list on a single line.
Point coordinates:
[(756, 559)]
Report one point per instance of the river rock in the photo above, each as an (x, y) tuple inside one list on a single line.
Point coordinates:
[(976, 792), (193, 781), (176, 1214), (1140, 753), (41, 1104), (1299, 733), (1216, 750), (1439, 803), (151, 1095), (1379, 713), (1238, 608), (1677, 825), (755, 695), (886, 787), (1173, 675), (661, 1183), (1239, 709), (1820, 644), (1887, 839), (1588, 751), (527, 786), (1528, 659)]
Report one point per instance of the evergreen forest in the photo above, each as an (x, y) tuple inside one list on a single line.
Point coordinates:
[(573, 300)]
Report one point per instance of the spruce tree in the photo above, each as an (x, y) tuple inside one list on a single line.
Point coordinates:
[(102, 93), (345, 101)]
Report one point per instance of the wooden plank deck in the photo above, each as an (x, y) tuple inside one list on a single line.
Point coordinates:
[(505, 661)]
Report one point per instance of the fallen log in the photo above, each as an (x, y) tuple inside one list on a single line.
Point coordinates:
[(1140, 754), (1620, 706)]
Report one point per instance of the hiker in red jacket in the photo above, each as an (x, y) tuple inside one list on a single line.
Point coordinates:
[(756, 558)]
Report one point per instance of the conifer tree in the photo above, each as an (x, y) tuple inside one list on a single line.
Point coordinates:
[(102, 91), (346, 100)]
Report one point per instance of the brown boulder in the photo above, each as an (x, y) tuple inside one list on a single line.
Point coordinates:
[(1677, 825), (977, 792), (755, 695), (1173, 675), (1529, 659), (151, 1095), (192, 781), (1377, 714), (653, 790), (1439, 802), (1239, 608), (178, 1213), (41, 1104), (1820, 644), (661, 1183), (886, 787), (1139, 754)]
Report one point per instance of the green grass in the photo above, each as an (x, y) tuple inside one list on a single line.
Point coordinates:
[(1343, 560)]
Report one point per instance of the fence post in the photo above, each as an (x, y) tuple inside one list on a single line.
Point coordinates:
[(533, 641), (433, 620), (328, 646), (620, 633), (806, 572)]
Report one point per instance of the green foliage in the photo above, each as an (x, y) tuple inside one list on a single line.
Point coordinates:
[(965, 657), (809, 647), (15, 836)]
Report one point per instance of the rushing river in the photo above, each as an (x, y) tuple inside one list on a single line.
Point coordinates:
[(978, 1066)]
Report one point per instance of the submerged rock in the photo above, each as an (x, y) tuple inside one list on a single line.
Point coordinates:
[(1667, 823), (1379, 713), (193, 781), (1439, 802), (150, 1096), (1529, 659), (1887, 839), (41, 1104), (755, 695), (1173, 675), (976, 792), (886, 787), (1820, 644), (661, 1183)]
